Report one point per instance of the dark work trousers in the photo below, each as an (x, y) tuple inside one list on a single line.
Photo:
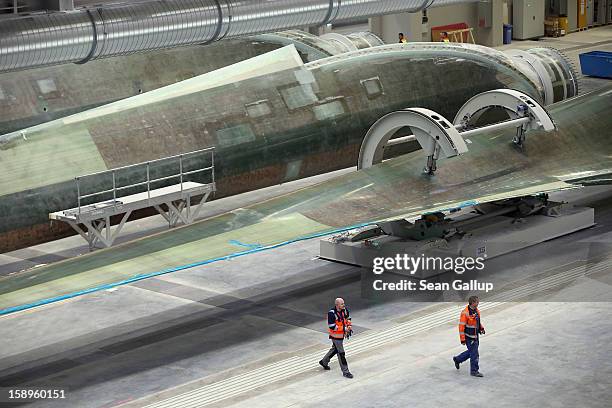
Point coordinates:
[(471, 353), (337, 348)]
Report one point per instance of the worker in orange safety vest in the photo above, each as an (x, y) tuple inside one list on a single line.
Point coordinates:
[(470, 328), (339, 327)]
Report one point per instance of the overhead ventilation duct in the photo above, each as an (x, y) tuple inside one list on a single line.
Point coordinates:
[(118, 29)]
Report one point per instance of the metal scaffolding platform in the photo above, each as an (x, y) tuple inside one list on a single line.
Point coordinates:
[(93, 221)]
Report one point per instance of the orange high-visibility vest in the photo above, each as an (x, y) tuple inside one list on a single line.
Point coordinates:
[(468, 323), (342, 325)]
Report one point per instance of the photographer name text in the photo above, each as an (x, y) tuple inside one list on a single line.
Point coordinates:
[(425, 286)]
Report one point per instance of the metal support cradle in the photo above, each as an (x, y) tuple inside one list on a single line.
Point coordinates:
[(439, 137)]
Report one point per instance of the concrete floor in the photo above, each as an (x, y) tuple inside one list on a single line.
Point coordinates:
[(222, 327), (199, 327), (529, 359)]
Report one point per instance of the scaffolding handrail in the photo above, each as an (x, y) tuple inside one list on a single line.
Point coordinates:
[(180, 175)]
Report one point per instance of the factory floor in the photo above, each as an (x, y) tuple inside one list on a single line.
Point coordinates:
[(249, 332), (530, 360)]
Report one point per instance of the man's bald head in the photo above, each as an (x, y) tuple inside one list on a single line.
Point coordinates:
[(339, 303)]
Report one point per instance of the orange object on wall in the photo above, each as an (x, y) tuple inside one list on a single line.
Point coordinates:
[(582, 13)]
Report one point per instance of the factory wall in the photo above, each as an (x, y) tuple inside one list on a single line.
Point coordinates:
[(493, 36), (572, 15), (457, 13), (572, 12), (387, 27)]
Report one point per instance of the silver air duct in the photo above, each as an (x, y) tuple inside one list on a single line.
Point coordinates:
[(86, 34)]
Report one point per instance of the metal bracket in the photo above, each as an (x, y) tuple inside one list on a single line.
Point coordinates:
[(98, 231), (518, 106), (436, 135), (176, 208)]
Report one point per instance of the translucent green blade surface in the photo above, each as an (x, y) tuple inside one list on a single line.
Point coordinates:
[(493, 169)]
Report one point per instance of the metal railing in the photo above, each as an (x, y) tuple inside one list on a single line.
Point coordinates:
[(180, 175), (12, 7)]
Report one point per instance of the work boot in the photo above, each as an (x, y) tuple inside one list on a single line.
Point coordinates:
[(456, 363), (325, 366), (348, 375), (477, 374)]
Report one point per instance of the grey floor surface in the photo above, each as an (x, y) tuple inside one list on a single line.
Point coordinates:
[(216, 322), (529, 359)]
